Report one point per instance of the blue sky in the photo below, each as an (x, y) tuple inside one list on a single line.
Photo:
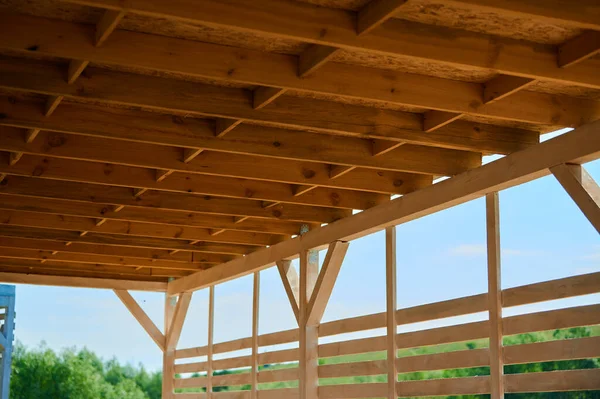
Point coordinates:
[(543, 236)]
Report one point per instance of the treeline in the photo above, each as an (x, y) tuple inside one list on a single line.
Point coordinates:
[(70, 374)]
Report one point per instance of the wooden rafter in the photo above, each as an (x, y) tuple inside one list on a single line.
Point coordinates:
[(405, 89), (396, 40), (578, 146)]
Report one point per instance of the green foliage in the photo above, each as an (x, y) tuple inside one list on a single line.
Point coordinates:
[(42, 373)]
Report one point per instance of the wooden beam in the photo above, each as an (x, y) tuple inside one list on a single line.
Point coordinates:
[(209, 345), (291, 113), (138, 313), (579, 146), (309, 333), (326, 280), (494, 296), (291, 285), (313, 58), (146, 216), (380, 147), (132, 229), (43, 188), (82, 282), (376, 12), (433, 120), (336, 171), (391, 87), (263, 96), (460, 47), (391, 310), (125, 176), (255, 318), (188, 154), (224, 126), (169, 354), (582, 188), (51, 104), (502, 86), (138, 242), (579, 49), (76, 68), (176, 326), (107, 25)]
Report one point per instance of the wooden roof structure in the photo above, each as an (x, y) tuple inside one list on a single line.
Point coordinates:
[(148, 140)]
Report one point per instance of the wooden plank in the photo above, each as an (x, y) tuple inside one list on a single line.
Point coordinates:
[(224, 166), (582, 188), (76, 68), (264, 96), (291, 285), (289, 374), (82, 282), (579, 49), (132, 229), (578, 146), (326, 281), (434, 120), (445, 386), (580, 316), (88, 193), (101, 239), (313, 58), (380, 147), (224, 126), (462, 48), (193, 382), (550, 290), (107, 24), (179, 314), (568, 349), (255, 320), (503, 86), (349, 391), (265, 142), (65, 257), (494, 295), (554, 381), (291, 112), (376, 12), (391, 305), (309, 337), (51, 104), (138, 313)]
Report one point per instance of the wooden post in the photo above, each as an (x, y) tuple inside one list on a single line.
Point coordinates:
[(255, 308), (309, 379), (390, 278), (168, 354), (494, 296), (211, 330)]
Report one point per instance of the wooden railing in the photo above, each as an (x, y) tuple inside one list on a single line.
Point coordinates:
[(563, 318)]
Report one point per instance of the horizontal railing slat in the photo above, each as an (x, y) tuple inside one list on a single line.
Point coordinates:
[(349, 391), (553, 381), (567, 349), (446, 386), (290, 374), (194, 382), (550, 290), (552, 320), (231, 379)]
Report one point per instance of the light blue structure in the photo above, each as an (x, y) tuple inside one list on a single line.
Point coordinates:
[(7, 305)]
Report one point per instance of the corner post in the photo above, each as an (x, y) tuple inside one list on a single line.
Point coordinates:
[(309, 335), (255, 315), (168, 354), (390, 277), (494, 296), (211, 330)]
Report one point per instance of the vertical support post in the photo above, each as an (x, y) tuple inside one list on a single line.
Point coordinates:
[(7, 301), (309, 336), (390, 277), (168, 354), (494, 296), (255, 308), (211, 330)]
